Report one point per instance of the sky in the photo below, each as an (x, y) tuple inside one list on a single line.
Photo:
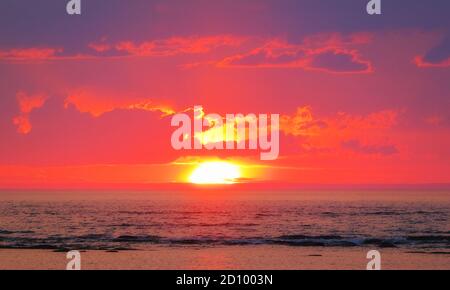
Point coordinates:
[(88, 99)]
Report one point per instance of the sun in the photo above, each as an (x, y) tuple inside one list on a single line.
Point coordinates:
[(215, 173)]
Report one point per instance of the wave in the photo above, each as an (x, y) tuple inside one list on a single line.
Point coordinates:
[(5, 232), (127, 242), (382, 213)]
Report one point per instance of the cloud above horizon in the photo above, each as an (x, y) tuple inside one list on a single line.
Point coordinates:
[(27, 104), (329, 53), (438, 56), (99, 102), (343, 130)]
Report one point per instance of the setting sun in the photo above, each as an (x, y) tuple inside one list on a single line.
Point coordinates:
[(215, 173)]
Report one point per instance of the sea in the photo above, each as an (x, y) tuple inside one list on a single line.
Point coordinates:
[(61, 221)]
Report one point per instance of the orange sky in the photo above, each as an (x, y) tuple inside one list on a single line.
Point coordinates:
[(360, 102)]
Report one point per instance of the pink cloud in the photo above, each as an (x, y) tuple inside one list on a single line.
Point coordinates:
[(303, 123), (154, 48), (329, 53), (333, 54), (38, 55), (332, 133), (68, 137), (99, 46), (178, 45), (29, 53), (97, 103), (420, 62), (27, 104)]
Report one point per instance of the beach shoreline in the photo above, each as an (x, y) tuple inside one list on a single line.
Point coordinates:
[(257, 257)]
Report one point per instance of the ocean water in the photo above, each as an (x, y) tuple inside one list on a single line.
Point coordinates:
[(417, 224)]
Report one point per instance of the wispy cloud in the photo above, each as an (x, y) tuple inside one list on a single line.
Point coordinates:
[(437, 57), (97, 103), (176, 45), (420, 61), (333, 54), (331, 133), (32, 53), (27, 104)]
